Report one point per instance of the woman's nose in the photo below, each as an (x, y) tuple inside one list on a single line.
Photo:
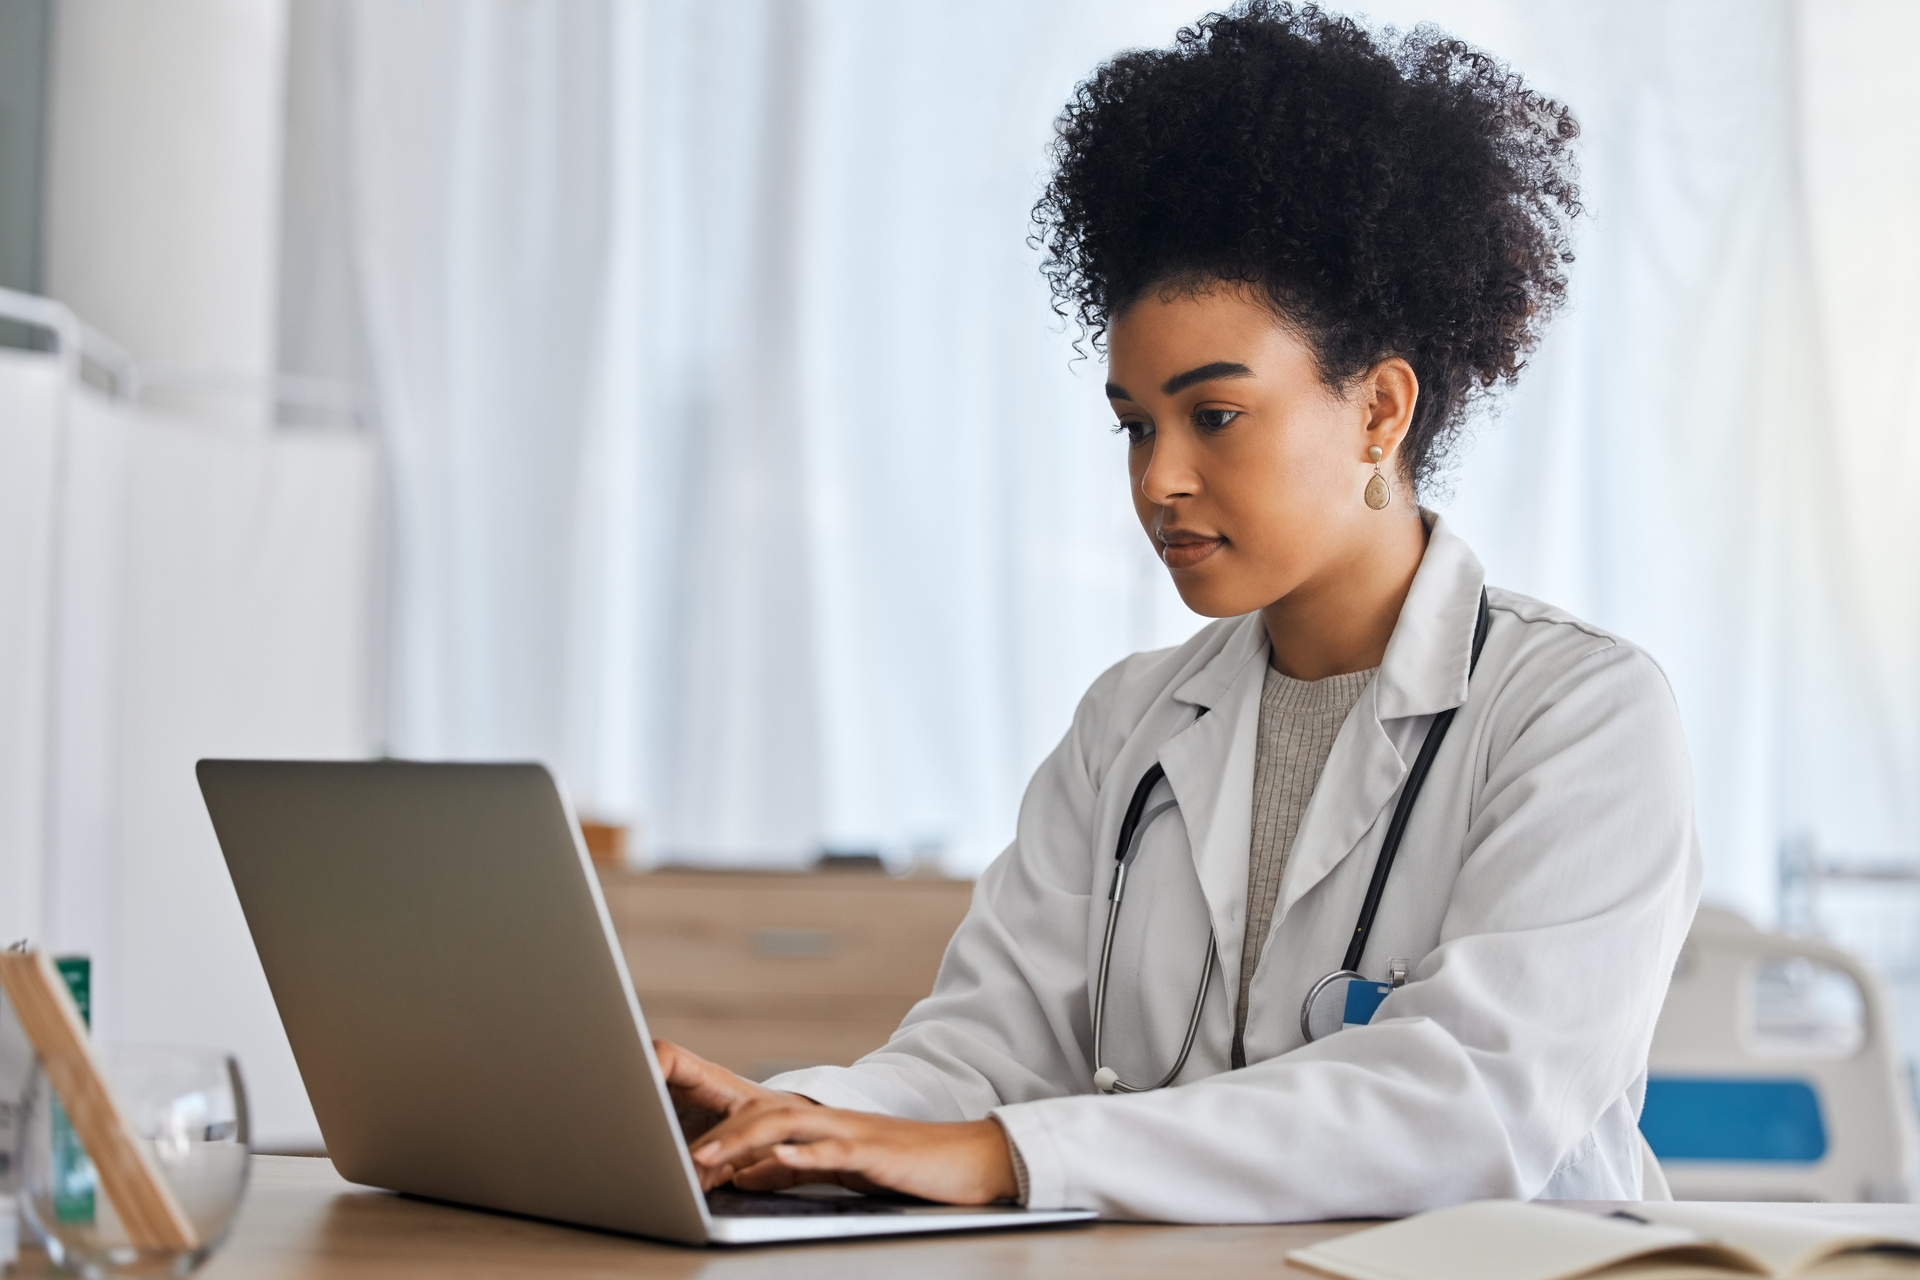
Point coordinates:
[(1169, 473)]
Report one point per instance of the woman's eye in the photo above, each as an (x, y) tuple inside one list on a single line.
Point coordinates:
[(1214, 419), (1135, 431)]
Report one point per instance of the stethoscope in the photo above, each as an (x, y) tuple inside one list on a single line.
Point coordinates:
[(1134, 825)]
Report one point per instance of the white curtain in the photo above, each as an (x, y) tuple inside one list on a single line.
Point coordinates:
[(739, 468)]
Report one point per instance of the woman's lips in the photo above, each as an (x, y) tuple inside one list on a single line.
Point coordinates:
[(1183, 551)]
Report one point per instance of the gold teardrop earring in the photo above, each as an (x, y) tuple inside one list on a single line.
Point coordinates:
[(1378, 494)]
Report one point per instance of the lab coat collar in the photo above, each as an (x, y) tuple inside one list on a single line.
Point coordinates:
[(1430, 652), (1208, 686)]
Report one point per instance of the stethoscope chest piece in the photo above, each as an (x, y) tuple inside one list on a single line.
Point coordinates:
[(1345, 999), (1324, 1011)]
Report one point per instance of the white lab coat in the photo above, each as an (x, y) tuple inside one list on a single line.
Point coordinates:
[(1544, 885)]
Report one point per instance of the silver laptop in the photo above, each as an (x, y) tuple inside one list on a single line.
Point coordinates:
[(460, 1011)]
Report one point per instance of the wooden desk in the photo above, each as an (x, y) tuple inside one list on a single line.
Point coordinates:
[(300, 1221)]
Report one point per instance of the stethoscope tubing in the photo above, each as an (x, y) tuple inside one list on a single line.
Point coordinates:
[(1118, 1085), (1134, 826)]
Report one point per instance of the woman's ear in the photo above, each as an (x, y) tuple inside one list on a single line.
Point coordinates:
[(1390, 392)]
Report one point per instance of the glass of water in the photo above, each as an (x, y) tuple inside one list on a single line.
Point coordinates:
[(187, 1109)]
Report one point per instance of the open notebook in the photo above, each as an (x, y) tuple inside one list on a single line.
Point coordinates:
[(1506, 1240)]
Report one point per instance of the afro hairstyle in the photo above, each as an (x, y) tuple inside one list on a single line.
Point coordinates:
[(1388, 194)]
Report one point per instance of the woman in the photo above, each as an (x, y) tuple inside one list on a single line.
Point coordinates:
[(1305, 251)]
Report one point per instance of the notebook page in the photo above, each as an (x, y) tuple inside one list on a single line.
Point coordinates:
[(1491, 1240), (1787, 1245)]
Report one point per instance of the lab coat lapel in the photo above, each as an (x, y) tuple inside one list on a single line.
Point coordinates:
[(1210, 768), (1423, 672), (1363, 771)]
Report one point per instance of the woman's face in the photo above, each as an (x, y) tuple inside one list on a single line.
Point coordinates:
[(1248, 471)]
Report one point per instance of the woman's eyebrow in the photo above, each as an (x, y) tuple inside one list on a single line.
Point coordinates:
[(1205, 373), (1117, 392)]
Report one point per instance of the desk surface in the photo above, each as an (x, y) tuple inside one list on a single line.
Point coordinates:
[(302, 1220)]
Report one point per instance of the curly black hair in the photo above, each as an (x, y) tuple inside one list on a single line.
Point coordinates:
[(1391, 194)]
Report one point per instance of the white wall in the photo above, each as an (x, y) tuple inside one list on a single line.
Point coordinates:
[(243, 633), (169, 589), (210, 574), (30, 392), (163, 175)]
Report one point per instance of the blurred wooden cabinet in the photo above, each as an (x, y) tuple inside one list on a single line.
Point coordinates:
[(766, 971)]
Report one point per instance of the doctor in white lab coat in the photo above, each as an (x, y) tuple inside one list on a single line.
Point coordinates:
[(1542, 902), (1549, 870)]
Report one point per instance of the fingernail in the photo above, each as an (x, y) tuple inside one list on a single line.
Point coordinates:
[(706, 1154)]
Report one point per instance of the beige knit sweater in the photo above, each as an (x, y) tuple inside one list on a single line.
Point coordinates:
[(1299, 719)]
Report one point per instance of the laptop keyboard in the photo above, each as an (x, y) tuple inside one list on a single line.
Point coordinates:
[(731, 1202)]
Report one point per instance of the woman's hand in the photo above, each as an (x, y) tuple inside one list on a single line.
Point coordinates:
[(762, 1139), (705, 1093), (774, 1146)]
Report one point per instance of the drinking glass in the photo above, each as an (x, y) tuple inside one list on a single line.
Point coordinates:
[(188, 1109)]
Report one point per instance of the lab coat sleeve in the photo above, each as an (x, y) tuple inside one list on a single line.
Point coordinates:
[(1488, 1071), (1009, 1010)]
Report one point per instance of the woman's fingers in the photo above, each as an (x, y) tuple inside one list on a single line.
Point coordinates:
[(770, 1175), (772, 1148), (715, 1106), (749, 1141), (699, 1085), (740, 1141), (827, 1153), (744, 1137)]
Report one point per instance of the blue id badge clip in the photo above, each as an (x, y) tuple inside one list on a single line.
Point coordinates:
[(1363, 999)]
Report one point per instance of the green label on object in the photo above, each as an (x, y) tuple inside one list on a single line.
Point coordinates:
[(77, 972), (73, 1176)]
